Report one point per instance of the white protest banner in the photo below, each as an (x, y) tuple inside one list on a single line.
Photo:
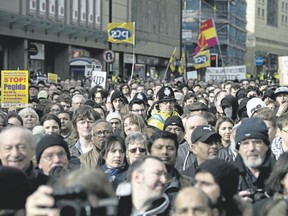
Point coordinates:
[(225, 73), (99, 78), (283, 70)]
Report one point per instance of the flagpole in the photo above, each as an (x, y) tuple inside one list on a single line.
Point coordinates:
[(133, 51), (165, 74)]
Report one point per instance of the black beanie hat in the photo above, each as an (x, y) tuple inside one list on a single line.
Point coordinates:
[(174, 120), (251, 128), (225, 174), (118, 94), (50, 140), (15, 188)]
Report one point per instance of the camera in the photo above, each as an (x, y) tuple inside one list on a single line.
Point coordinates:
[(257, 195), (74, 202)]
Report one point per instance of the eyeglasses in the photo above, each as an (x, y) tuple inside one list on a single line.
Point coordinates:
[(141, 150), (60, 155), (104, 132)]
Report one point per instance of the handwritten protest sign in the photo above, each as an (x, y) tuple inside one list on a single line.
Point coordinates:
[(98, 78)]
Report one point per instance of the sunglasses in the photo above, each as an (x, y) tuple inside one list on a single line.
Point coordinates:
[(141, 150)]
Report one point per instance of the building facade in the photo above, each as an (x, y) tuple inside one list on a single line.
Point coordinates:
[(46, 36), (267, 27), (230, 21)]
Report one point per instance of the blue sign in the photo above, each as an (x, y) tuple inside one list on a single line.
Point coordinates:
[(259, 60)]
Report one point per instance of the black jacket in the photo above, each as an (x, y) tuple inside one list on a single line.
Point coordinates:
[(247, 180)]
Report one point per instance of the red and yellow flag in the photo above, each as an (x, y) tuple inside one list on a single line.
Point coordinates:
[(207, 36)]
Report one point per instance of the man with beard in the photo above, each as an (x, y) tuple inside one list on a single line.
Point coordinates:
[(255, 159), (164, 145), (101, 129)]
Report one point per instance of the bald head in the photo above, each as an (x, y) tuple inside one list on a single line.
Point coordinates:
[(191, 200)]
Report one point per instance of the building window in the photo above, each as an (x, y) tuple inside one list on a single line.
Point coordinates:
[(282, 18), (263, 12), (286, 19), (272, 13), (259, 12), (286, 7)]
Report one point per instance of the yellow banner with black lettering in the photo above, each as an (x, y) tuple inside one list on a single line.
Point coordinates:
[(121, 32)]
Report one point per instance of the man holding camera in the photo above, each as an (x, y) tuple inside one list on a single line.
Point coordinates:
[(255, 159)]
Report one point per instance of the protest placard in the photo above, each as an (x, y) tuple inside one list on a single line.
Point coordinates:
[(52, 77), (225, 73), (99, 78), (14, 88)]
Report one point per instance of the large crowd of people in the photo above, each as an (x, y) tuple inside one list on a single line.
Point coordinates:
[(146, 147)]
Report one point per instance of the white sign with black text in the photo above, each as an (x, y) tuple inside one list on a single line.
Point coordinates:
[(225, 73)]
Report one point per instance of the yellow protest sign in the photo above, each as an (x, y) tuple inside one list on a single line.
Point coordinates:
[(14, 88), (52, 77), (121, 32)]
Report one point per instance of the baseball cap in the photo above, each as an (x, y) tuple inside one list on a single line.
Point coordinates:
[(203, 133)]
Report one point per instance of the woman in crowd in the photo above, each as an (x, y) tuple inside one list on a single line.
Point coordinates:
[(136, 146), (134, 123), (224, 127), (112, 159), (278, 184), (29, 117), (14, 119), (51, 124)]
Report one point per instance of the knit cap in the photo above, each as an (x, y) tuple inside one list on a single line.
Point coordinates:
[(50, 140), (251, 128)]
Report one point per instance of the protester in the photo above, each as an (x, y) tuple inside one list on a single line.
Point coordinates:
[(205, 147), (185, 156), (148, 177), (52, 151), (16, 151), (173, 124), (112, 159), (51, 124), (29, 117), (255, 160), (164, 145), (224, 127), (191, 201), (101, 130), (219, 180), (136, 146)]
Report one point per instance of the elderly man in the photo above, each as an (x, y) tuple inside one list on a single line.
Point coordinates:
[(77, 101), (148, 177), (164, 109), (255, 159), (101, 129), (16, 151), (52, 151), (164, 145), (205, 146)]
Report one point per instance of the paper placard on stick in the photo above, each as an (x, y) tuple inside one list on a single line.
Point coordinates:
[(99, 78), (14, 88), (52, 77)]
